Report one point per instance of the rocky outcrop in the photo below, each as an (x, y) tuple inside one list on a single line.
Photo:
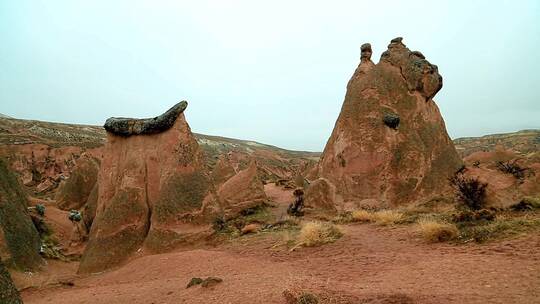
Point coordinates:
[(19, 239), (150, 186), (389, 142), (73, 191), (321, 195), (8, 291), (505, 187), (242, 191)]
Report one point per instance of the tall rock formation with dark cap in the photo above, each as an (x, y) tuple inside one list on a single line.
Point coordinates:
[(389, 144), (152, 189)]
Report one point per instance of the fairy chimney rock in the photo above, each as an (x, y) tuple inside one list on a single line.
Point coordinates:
[(390, 142)]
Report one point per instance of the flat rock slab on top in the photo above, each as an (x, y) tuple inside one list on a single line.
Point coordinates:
[(131, 126)]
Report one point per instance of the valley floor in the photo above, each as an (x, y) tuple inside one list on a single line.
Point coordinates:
[(370, 264)]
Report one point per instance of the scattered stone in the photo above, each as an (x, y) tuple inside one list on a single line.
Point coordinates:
[(74, 216), (68, 283), (250, 228), (211, 281), (194, 281)]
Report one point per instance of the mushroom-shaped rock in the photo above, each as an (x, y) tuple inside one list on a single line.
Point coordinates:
[(152, 182), (365, 158)]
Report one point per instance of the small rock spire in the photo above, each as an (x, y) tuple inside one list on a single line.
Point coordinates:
[(365, 52)]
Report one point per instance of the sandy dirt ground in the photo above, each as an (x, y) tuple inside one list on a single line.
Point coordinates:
[(370, 264)]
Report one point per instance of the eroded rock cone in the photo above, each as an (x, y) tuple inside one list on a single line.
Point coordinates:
[(242, 191), (389, 142), (152, 182), (74, 191), (19, 239), (223, 170)]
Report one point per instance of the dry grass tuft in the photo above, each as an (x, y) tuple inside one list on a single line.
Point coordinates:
[(387, 217), (382, 217), (362, 216), (318, 233), (435, 231)]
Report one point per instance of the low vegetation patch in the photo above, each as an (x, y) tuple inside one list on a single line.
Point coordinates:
[(437, 231), (258, 216), (295, 297), (504, 226), (512, 167), (318, 233), (528, 203)]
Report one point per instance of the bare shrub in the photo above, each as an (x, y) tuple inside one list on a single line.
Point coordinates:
[(512, 167), (469, 190)]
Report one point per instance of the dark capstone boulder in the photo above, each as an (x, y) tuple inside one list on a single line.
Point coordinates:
[(130, 126), (8, 292), (391, 120)]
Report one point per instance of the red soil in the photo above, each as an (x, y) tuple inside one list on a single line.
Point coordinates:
[(369, 264)]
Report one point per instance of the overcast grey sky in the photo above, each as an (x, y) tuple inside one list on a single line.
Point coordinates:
[(270, 71)]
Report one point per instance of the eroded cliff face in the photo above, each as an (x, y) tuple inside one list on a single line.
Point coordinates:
[(151, 187), (19, 239), (389, 142)]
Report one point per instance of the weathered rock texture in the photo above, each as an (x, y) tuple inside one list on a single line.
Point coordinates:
[(19, 239), (73, 191), (242, 191), (321, 195), (8, 292), (372, 154), (150, 186)]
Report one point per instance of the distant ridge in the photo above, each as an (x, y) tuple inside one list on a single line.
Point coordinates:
[(4, 116)]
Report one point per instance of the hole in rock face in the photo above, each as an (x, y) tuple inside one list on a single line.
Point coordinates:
[(391, 120)]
